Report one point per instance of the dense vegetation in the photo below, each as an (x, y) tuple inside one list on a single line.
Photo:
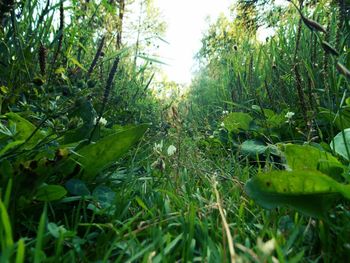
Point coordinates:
[(251, 165)]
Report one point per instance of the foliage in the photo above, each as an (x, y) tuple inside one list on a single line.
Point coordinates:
[(100, 161)]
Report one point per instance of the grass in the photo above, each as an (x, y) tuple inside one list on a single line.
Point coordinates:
[(149, 205)]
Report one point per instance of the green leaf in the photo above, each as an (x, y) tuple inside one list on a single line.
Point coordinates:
[(55, 230), (77, 187), (77, 63), (341, 144), (98, 156), (24, 130), (104, 195), (273, 119), (10, 146), (48, 193), (39, 254), (236, 121), (6, 229), (301, 157), (4, 90), (20, 251), (60, 71), (85, 111), (308, 191), (340, 120), (253, 148)]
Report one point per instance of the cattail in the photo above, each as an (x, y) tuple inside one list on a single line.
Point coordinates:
[(297, 43), (42, 58), (106, 94), (329, 49), (313, 25), (301, 94), (299, 85), (97, 55), (43, 13), (120, 23), (268, 91), (61, 16), (325, 71), (60, 32)]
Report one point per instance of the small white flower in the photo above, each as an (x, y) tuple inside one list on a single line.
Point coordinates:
[(158, 147), (225, 112), (102, 121), (171, 150), (222, 125), (266, 247), (289, 115)]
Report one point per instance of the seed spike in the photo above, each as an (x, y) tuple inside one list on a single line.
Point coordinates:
[(343, 70), (329, 48)]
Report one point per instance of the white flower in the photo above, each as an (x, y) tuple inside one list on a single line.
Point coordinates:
[(102, 121), (158, 147), (222, 125), (171, 150), (266, 247), (225, 112), (289, 115)]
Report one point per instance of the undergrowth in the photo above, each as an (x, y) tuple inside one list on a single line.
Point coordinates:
[(251, 165)]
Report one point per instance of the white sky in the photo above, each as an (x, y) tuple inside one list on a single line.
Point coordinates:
[(186, 20)]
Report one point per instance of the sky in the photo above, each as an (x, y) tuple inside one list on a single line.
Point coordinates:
[(186, 21)]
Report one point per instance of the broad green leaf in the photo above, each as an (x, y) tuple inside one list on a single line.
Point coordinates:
[(55, 230), (253, 147), (104, 195), (301, 157), (97, 156), (236, 121), (77, 187), (48, 193), (24, 130), (341, 144), (308, 191), (10, 146)]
